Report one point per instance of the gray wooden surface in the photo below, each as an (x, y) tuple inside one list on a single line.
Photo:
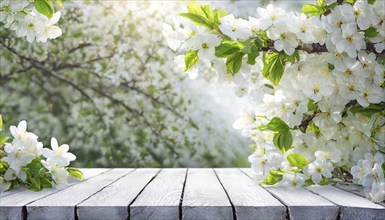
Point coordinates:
[(184, 194)]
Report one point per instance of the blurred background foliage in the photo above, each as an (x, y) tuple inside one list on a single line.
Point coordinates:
[(109, 88)]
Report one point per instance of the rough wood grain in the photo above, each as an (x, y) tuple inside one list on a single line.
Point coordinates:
[(11, 206), (161, 198), (301, 203), (357, 190), (7, 193), (113, 201), (250, 200), (352, 206), (61, 205), (204, 197)]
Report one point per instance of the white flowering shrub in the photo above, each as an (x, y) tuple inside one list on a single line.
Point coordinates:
[(110, 89), (32, 19), (26, 162), (315, 83)]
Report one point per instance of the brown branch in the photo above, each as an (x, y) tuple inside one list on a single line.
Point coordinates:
[(80, 46), (138, 113), (305, 123), (317, 48)]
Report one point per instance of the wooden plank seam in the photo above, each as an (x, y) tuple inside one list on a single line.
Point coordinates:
[(272, 194), (339, 207), (24, 212), (181, 197), (76, 206), (129, 206), (227, 194)]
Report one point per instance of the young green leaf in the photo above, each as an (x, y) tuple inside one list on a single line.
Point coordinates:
[(371, 32), (312, 10), (252, 53), (227, 48), (190, 59), (276, 124), (234, 62), (351, 1), (273, 177), (75, 173), (218, 14), (59, 3), (45, 7), (197, 19), (283, 140), (297, 160), (274, 66)]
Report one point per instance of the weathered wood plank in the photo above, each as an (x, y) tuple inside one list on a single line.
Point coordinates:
[(301, 203), (249, 199), (113, 201), (357, 190), (352, 206), (161, 198), (204, 197), (62, 204), (7, 193), (11, 206)]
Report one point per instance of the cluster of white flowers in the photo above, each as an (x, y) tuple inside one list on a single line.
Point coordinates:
[(326, 113), (21, 17), (369, 174), (23, 157)]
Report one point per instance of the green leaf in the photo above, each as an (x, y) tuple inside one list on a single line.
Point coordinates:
[(297, 160), (273, 177), (312, 10), (283, 140), (227, 48), (207, 11), (351, 1), (252, 55), (45, 183), (367, 111), (234, 62), (324, 182), (45, 7), (218, 14), (3, 139), (195, 8), (371, 1), (197, 19), (190, 59), (1, 123), (59, 3), (276, 124), (259, 42), (201, 15), (371, 32), (312, 106), (293, 58), (273, 67), (75, 173)]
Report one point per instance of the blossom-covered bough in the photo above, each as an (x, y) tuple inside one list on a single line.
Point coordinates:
[(315, 83), (110, 89), (25, 162), (33, 19)]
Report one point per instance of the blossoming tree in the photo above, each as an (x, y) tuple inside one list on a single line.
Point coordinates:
[(315, 82), (109, 88)]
